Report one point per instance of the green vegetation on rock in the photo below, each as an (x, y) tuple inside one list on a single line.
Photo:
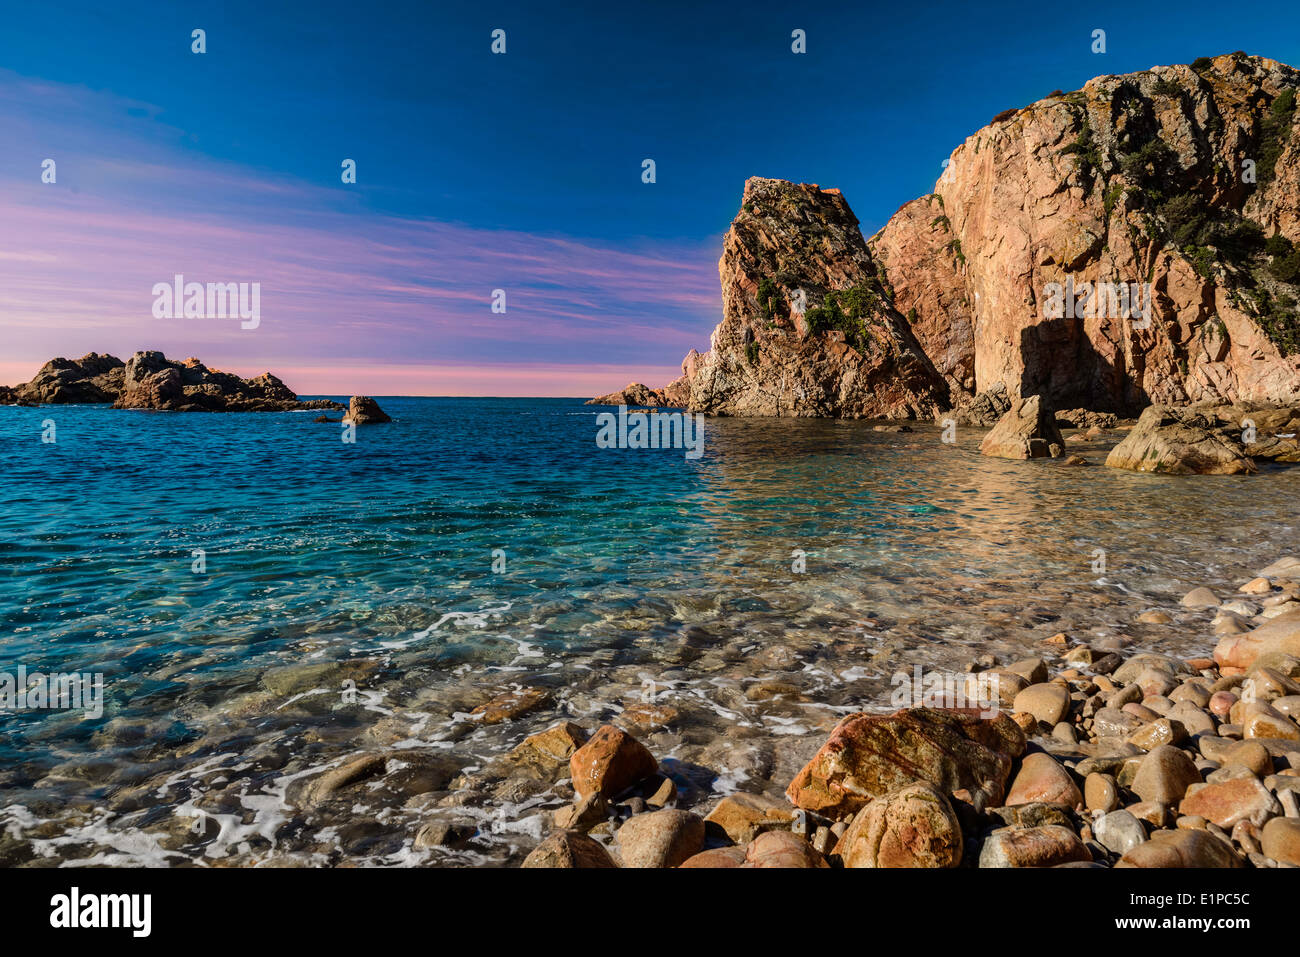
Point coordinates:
[(1276, 130), (845, 310), (771, 303)]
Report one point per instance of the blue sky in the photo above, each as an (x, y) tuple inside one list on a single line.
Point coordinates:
[(478, 171)]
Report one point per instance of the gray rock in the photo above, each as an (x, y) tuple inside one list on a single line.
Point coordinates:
[(1119, 831)]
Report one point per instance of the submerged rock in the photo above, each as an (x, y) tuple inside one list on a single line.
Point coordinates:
[(1179, 442), (1027, 431)]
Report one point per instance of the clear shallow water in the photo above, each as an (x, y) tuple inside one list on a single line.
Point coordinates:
[(622, 567)]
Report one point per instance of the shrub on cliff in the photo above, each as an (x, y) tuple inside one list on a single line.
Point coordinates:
[(770, 301), (1275, 131), (845, 310), (1286, 267)]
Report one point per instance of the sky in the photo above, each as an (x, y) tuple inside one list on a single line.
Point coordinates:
[(476, 171)]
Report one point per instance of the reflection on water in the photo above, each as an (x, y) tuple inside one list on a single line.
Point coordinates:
[(621, 567)]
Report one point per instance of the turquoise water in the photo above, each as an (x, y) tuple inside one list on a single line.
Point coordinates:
[(620, 565)]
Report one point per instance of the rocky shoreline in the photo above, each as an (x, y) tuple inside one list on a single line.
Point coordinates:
[(1127, 761), (149, 380)]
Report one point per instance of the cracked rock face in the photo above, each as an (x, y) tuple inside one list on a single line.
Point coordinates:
[(781, 348), (1133, 179)]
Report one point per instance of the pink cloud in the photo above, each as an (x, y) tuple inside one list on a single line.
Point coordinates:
[(371, 299)]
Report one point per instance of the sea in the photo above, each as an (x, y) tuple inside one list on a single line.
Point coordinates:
[(260, 599)]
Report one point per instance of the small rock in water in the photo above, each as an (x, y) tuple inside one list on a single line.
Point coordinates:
[(610, 763), (1200, 598), (363, 410), (586, 813), (558, 741), (510, 705), (1155, 617)]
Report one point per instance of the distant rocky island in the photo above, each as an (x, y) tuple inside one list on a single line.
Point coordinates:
[(1179, 185), (149, 380)]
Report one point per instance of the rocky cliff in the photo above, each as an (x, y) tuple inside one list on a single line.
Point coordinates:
[(1177, 188), (1185, 178), (808, 323)]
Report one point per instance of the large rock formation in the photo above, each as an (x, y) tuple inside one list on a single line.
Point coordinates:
[(1209, 440), (92, 378), (1133, 179), (1179, 442), (808, 327), (149, 380), (1178, 188)]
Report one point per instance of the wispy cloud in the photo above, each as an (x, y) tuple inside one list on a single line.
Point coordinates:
[(342, 286)]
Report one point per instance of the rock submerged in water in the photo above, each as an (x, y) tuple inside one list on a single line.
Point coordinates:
[(1180, 442), (363, 410), (1027, 431)]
